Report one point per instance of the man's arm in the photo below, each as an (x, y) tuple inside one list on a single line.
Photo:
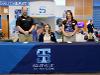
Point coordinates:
[(18, 23), (20, 29), (33, 27)]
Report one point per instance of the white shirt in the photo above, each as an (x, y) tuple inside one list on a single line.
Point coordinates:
[(47, 38)]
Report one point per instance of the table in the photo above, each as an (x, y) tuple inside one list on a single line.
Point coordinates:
[(29, 58)]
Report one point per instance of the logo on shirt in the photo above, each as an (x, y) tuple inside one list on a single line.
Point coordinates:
[(68, 27)]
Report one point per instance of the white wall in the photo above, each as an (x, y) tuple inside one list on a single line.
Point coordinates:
[(60, 10), (42, 8), (48, 11), (47, 20)]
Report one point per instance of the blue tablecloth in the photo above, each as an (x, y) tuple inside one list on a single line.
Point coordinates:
[(49, 58)]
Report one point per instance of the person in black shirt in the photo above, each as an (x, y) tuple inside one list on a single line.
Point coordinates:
[(25, 25), (90, 28), (69, 27)]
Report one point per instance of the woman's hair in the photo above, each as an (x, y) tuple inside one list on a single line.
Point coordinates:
[(58, 21), (69, 11), (49, 28)]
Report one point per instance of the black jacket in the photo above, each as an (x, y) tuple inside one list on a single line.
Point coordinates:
[(41, 36)]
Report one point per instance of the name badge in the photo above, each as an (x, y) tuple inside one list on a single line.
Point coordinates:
[(23, 19)]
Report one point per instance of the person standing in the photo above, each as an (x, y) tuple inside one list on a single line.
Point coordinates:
[(25, 24), (90, 28), (69, 28)]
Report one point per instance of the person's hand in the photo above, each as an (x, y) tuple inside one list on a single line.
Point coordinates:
[(72, 33), (62, 28), (26, 32), (69, 34), (59, 30)]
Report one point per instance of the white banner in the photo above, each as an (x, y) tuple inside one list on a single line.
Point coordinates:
[(42, 9)]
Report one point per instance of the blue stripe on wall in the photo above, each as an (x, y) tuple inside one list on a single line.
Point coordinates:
[(96, 13)]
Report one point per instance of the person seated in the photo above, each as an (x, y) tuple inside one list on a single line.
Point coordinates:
[(1, 34), (80, 35), (47, 36), (58, 32)]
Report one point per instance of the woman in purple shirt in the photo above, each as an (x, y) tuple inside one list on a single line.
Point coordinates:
[(69, 27)]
